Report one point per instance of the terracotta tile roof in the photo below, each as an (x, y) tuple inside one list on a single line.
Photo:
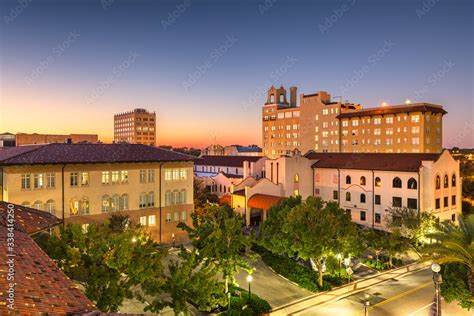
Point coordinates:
[(225, 161), (40, 286), (27, 219), (263, 201), (371, 161), (415, 107), (90, 153), (8, 152)]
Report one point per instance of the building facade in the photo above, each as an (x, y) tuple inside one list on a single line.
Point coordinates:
[(86, 183), (323, 125), (135, 127), (365, 184), (23, 139)]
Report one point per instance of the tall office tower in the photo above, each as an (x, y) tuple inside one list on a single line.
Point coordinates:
[(135, 127)]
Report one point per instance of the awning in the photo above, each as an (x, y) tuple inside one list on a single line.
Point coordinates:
[(263, 201)]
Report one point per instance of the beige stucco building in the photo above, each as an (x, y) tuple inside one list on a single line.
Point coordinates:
[(86, 183), (320, 124)]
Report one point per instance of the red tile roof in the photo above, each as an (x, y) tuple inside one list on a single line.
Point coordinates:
[(40, 286), (263, 201), (415, 107), (371, 161), (89, 153), (27, 219), (225, 161)]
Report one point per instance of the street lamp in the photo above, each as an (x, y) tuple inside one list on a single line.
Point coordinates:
[(366, 303), (339, 257), (249, 280), (437, 280)]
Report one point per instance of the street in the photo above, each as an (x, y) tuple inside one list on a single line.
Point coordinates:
[(411, 295)]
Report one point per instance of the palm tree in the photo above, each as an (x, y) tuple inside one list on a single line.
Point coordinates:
[(455, 245)]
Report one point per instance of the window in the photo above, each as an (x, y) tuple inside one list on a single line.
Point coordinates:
[(453, 217), (176, 216), (115, 177), (105, 203), (49, 206), (438, 183), (362, 198), (348, 196), (445, 201), (38, 205), (377, 218), (438, 204), (415, 118), (389, 120), (168, 175), (105, 177), (362, 216), (74, 179), (142, 200), (175, 174), (396, 201), (412, 183), (446, 181), (453, 200), (84, 179), (168, 217), (151, 176), (124, 202), (183, 216), (453, 180), (378, 200), (25, 204), (168, 198), (151, 199), (175, 199), (124, 176), (378, 182), (412, 203), (50, 180), (362, 181), (348, 179), (377, 121), (151, 220), (85, 206), (397, 182), (183, 174), (142, 176), (183, 196), (143, 220), (38, 181), (296, 178), (335, 195), (115, 203)]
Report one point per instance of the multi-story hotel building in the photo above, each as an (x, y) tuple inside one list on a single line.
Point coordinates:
[(323, 125), (86, 183), (135, 127), (365, 184)]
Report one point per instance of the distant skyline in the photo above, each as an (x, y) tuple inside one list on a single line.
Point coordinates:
[(204, 66)]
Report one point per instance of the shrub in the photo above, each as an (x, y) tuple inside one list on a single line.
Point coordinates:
[(240, 304)]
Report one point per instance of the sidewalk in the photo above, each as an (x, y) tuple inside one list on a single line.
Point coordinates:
[(345, 290)]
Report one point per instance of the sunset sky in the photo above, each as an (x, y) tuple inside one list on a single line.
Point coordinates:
[(204, 66)]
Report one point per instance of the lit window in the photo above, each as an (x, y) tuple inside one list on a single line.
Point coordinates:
[(151, 220), (124, 176), (38, 181), (115, 177), (105, 177), (175, 174), (183, 174), (168, 174), (143, 220), (84, 179)]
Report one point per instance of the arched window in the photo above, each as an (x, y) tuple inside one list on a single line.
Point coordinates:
[(412, 184), (115, 203), (168, 198), (151, 199), (438, 182), (362, 181), (105, 203), (446, 181), (38, 205), (348, 179), (378, 182), (272, 98), (176, 197), (362, 198), (85, 206), (348, 196), (183, 196), (453, 180), (296, 178), (281, 98), (124, 202), (26, 204), (220, 187), (49, 206), (142, 200), (397, 182)]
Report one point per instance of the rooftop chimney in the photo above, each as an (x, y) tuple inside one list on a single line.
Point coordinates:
[(293, 96)]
